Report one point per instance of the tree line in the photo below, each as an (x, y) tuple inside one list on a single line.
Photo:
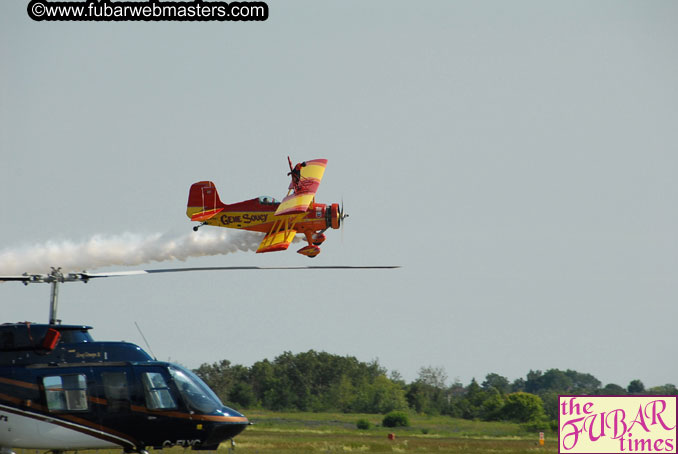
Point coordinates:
[(319, 381)]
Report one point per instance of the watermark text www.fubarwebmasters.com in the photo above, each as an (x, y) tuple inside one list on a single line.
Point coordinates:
[(151, 10)]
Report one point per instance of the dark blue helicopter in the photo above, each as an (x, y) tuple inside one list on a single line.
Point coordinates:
[(61, 390)]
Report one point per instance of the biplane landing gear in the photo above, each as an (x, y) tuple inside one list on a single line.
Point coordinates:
[(309, 251), (318, 238), (195, 228)]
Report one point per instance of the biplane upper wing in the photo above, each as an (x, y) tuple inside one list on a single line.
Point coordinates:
[(301, 198)]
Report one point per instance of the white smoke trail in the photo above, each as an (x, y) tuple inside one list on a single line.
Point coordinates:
[(124, 250)]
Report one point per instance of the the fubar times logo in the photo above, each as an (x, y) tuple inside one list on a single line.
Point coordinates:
[(617, 424)]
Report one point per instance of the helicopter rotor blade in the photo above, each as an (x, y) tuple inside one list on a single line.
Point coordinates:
[(84, 276), (15, 278), (237, 268), (55, 277)]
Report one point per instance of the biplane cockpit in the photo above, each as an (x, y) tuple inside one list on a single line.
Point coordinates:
[(268, 200)]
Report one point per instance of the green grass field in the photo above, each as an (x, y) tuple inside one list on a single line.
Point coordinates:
[(299, 433), (337, 432)]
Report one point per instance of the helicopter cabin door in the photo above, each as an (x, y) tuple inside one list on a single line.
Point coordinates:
[(115, 385), (114, 391), (164, 417)]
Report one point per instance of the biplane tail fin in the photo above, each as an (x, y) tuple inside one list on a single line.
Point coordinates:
[(203, 201)]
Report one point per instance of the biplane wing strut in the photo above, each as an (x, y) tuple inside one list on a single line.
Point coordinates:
[(281, 235)]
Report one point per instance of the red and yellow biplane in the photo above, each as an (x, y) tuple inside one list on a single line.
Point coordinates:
[(280, 221)]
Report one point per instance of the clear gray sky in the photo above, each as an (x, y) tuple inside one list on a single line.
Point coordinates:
[(518, 159)]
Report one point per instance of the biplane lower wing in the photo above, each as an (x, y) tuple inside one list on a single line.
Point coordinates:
[(276, 241)]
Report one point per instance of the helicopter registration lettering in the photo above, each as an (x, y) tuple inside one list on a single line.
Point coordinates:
[(4, 418), (183, 443)]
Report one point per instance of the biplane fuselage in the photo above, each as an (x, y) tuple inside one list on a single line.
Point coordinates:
[(280, 221)]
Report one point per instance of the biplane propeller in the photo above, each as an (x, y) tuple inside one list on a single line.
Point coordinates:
[(280, 221)]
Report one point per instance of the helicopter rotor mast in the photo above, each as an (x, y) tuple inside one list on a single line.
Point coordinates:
[(56, 277), (54, 295)]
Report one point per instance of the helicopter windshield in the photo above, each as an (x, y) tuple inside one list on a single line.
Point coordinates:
[(197, 395)]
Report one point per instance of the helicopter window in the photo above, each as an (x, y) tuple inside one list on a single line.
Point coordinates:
[(73, 336), (66, 392), (196, 394), (116, 390), (158, 395)]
